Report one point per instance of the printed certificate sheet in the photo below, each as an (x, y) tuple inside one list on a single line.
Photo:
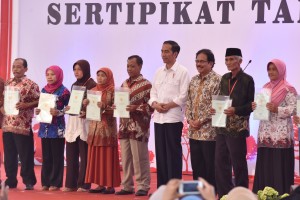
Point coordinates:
[(46, 102), (75, 101), (220, 103), (298, 108), (261, 99), (11, 98), (93, 112), (121, 102)]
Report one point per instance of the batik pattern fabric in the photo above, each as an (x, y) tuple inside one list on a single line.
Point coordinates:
[(137, 127), (104, 132), (278, 132), (29, 92), (199, 104)]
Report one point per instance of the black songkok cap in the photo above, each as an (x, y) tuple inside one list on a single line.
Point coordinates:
[(233, 52)]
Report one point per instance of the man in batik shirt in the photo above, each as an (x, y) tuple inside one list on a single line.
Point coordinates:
[(17, 132), (201, 133), (134, 132)]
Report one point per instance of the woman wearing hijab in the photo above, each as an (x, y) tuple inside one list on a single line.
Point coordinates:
[(103, 166), (76, 135), (275, 155), (52, 135)]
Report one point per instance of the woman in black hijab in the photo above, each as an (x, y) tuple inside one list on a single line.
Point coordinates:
[(76, 135)]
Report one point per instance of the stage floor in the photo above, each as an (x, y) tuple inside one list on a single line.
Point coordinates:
[(20, 194), (36, 194)]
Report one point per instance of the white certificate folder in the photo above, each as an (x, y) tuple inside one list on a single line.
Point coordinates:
[(261, 99), (121, 102), (75, 101), (220, 103), (93, 112), (298, 109), (46, 102), (11, 98)]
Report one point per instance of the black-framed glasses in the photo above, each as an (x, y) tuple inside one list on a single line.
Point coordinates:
[(201, 61)]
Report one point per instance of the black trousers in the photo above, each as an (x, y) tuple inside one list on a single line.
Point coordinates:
[(203, 160), (53, 161), (168, 151), (22, 145), (230, 154), (75, 169)]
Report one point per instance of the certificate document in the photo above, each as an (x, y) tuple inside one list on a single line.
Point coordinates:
[(11, 98), (261, 99), (75, 101), (93, 112), (220, 103), (298, 109), (121, 102), (46, 102)]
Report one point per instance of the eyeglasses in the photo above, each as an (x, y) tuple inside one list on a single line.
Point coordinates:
[(201, 61)]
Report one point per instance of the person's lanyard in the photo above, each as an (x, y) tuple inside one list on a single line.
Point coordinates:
[(231, 90)]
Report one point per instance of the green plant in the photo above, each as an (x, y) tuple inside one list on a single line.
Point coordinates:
[(270, 193)]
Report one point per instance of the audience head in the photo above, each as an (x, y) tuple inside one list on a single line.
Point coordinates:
[(239, 193)]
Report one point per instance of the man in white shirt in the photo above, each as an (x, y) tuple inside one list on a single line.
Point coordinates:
[(168, 97)]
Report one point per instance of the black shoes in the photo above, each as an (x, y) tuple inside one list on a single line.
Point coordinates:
[(108, 191), (138, 193), (124, 192), (97, 190), (10, 184), (141, 193), (29, 187)]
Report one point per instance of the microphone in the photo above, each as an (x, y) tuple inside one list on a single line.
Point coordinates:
[(247, 65)]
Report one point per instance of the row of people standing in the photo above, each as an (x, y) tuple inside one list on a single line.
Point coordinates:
[(216, 152), (94, 143)]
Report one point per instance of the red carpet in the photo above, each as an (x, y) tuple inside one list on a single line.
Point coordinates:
[(20, 194)]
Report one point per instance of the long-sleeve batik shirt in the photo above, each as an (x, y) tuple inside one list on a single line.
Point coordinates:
[(198, 104)]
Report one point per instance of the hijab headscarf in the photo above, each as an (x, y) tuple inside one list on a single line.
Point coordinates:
[(110, 83), (86, 71), (279, 87), (50, 88)]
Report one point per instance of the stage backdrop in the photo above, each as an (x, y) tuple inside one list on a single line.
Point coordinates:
[(105, 33)]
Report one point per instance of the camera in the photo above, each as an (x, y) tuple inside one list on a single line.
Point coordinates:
[(189, 187)]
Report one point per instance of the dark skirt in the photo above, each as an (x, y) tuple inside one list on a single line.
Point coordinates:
[(274, 168)]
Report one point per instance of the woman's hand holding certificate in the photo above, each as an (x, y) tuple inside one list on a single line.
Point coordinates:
[(75, 101), (46, 105), (260, 111), (93, 111)]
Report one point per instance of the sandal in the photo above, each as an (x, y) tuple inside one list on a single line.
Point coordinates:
[(82, 190)]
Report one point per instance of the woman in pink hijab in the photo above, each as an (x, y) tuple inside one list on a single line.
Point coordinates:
[(52, 134), (275, 155)]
